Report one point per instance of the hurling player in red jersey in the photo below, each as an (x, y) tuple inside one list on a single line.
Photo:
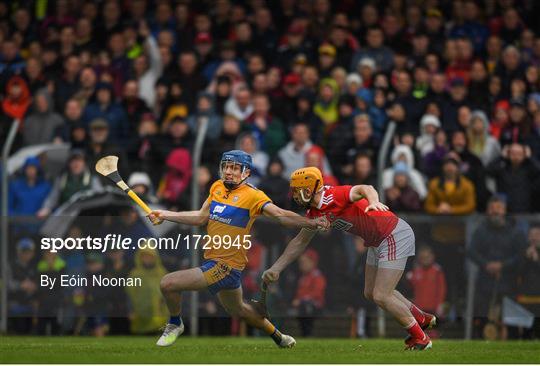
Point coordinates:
[(357, 210)]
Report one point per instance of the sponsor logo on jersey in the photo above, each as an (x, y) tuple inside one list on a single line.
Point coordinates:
[(341, 224), (218, 209), (229, 215)]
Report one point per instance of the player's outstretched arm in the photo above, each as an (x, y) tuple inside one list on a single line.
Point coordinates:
[(194, 218), (362, 190), (292, 219), (293, 250)]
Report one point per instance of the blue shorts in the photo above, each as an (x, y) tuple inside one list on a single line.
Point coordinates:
[(220, 276)]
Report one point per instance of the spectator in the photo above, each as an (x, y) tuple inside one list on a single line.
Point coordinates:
[(433, 159), (315, 157), (327, 59), (97, 298), (149, 68), (176, 104), (189, 75), (204, 180), (33, 74), (339, 137), (177, 178), (303, 107), (376, 50), (458, 99), (267, 129), (366, 70), (326, 106), (233, 74), (479, 86), (226, 55), (471, 167), (11, 62), (100, 146), (240, 105), (133, 106), (401, 197), (310, 294), (117, 266), (519, 125), (363, 140), (73, 129), (178, 134), (509, 67), (50, 300), (361, 171), (140, 183), (404, 154), (22, 288), (15, 104), (205, 109), (76, 178), (516, 175), (295, 43), (500, 118), (87, 80), (481, 143), (27, 193), (412, 109), (496, 247), (222, 93), (428, 282), (68, 83), (451, 193), (274, 185), (148, 311), (144, 150), (529, 276), (428, 126), (294, 153), (248, 143), (226, 141), (103, 106), (40, 125)]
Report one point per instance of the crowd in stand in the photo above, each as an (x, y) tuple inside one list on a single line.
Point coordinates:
[(293, 83)]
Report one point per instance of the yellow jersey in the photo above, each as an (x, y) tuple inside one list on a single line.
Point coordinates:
[(232, 214)]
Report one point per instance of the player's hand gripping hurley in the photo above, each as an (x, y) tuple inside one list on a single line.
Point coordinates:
[(108, 167)]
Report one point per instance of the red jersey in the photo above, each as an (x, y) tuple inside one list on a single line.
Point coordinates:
[(345, 215)]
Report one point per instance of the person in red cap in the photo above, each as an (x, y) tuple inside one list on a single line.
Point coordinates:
[(310, 293)]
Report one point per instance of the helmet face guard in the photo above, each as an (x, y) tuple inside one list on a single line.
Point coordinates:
[(234, 166), (303, 196)]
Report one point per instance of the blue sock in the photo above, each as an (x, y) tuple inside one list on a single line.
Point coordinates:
[(176, 320)]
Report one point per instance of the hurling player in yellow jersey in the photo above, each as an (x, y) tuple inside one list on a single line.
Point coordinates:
[(229, 212)]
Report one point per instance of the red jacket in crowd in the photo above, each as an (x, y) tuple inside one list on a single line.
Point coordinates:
[(312, 287), (429, 287)]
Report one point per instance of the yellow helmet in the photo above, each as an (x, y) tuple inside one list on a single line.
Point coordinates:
[(310, 178)]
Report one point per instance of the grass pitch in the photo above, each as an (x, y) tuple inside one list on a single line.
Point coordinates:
[(256, 350)]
